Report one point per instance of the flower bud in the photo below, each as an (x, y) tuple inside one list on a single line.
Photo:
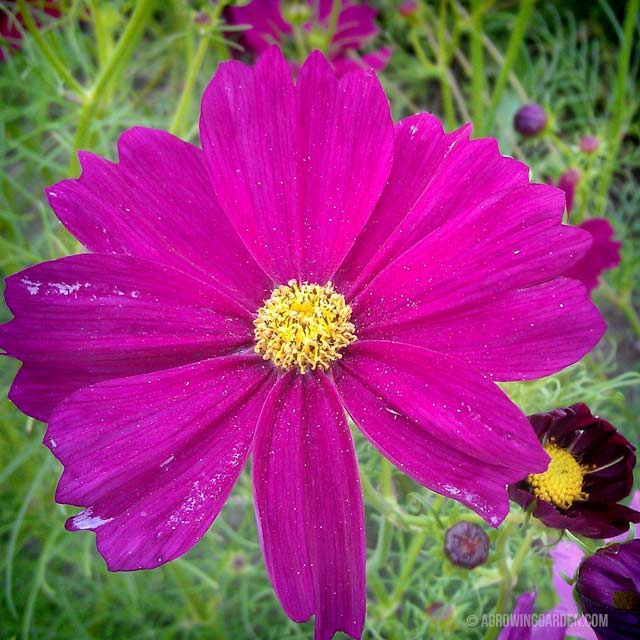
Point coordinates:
[(202, 18), (297, 12), (466, 545), (589, 144), (530, 120), (439, 610), (408, 8)]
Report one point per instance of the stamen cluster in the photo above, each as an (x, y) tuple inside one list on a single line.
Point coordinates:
[(303, 325), (562, 482)]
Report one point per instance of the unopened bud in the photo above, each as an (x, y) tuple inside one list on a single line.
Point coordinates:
[(466, 545), (589, 144), (295, 12), (408, 8), (530, 120)]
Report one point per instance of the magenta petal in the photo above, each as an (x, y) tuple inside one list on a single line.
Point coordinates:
[(309, 505), (435, 177), (514, 240), (265, 22), (153, 458), (86, 318), (604, 253), (518, 335), (356, 25), (157, 203), (376, 60), (443, 425), (298, 170)]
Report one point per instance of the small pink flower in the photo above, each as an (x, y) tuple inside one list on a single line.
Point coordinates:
[(408, 8), (589, 144), (521, 625), (312, 260), (568, 182), (604, 253), (12, 20), (355, 29)]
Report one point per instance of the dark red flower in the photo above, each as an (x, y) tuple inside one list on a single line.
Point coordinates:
[(608, 584), (590, 472)]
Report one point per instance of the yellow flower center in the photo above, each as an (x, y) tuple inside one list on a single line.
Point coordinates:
[(304, 326), (562, 482), (626, 600)]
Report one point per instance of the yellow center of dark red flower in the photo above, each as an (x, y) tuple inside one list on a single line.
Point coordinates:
[(304, 326), (626, 600), (561, 484)]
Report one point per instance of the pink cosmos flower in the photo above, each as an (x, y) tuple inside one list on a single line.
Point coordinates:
[(311, 260), (523, 625), (604, 253), (355, 28)]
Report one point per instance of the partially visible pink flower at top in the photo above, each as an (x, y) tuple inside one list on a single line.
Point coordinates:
[(604, 253), (12, 21), (355, 28), (566, 558)]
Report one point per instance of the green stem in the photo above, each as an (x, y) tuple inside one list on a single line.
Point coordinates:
[(101, 32), (624, 304), (508, 571), (477, 67), (386, 482), (404, 579), (513, 48), (333, 24), (389, 508), (443, 63), (383, 546), (38, 581), (431, 68), (177, 124), (521, 553), (47, 51), (111, 72), (619, 90), (384, 534), (586, 544), (564, 149)]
